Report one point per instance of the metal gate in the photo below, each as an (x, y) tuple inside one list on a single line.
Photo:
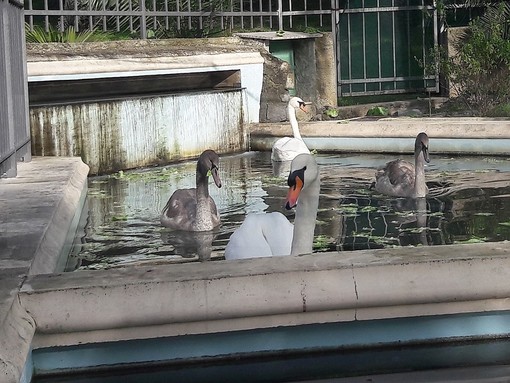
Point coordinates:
[(14, 130), (382, 46)]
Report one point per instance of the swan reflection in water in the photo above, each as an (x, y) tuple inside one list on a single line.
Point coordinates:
[(281, 168), (416, 220), (373, 222), (189, 244)]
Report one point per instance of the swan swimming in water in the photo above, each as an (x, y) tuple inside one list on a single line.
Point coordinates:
[(400, 178), (286, 148), (271, 234), (194, 209)]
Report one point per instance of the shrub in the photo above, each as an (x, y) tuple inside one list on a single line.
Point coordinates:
[(480, 71), (378, 111), (40, 35)]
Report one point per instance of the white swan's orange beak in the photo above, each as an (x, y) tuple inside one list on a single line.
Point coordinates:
[(293, 194), (302, 106)]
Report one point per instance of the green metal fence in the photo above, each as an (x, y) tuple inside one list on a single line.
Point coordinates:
[(382, 46), (177, 18)]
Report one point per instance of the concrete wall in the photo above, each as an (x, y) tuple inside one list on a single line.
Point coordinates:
[(136, 130), (40, 212), (314, 76), (112, 135), (316, 71)]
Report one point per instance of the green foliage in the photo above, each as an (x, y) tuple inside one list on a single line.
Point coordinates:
[(332, 113), (480, 70), (322, 243), (360, 100), (502, 110), (378, 111), (40, 35), (312, 30)]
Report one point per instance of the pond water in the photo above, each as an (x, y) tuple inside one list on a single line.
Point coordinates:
[(469, 202)]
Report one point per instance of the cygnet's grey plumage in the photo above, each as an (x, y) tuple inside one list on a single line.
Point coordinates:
[(194, 209), (400, 178)]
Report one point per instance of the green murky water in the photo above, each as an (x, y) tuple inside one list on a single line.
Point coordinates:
[(469, 202)]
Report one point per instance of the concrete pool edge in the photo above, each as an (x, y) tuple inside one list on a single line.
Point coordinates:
[(344, 286), (211, 298), (40, 208), (481, 136)]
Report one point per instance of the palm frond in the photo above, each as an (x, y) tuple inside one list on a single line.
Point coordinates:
[(38, 34)]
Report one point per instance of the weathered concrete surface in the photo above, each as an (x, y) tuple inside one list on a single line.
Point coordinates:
[(326, 71), (453, 128), (314, 70), (137, 48), (95, 65), (467, 135), (17, 330), (96, 306), (131, 129), (39, 209), (57, 62), (48, 62)]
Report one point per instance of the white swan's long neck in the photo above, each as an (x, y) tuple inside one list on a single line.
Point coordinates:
[(306, 215), (420, 187), (293, 121), (203, 212)]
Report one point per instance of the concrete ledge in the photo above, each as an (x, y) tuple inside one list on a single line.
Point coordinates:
[(17, 329), (405, 127), (39, 209), (103, 68), (393, 135), (97, 306), (54, 62)]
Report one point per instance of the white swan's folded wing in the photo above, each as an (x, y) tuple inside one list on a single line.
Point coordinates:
[(260, 235)]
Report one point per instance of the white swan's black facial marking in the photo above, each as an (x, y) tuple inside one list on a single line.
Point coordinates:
[(296, 182), (302, 105), (296, 174)]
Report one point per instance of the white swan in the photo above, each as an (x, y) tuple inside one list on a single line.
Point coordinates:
[(400, 178), (286, 148), (271, 234), (194, 209)]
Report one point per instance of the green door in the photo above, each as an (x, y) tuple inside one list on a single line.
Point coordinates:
[(283, 49)]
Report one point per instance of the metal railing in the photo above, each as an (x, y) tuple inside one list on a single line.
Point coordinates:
[(179, 17), (14, 129)]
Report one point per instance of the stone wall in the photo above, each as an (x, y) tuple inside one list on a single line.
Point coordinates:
[(315, 79), (274, 89), (315, 65)]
